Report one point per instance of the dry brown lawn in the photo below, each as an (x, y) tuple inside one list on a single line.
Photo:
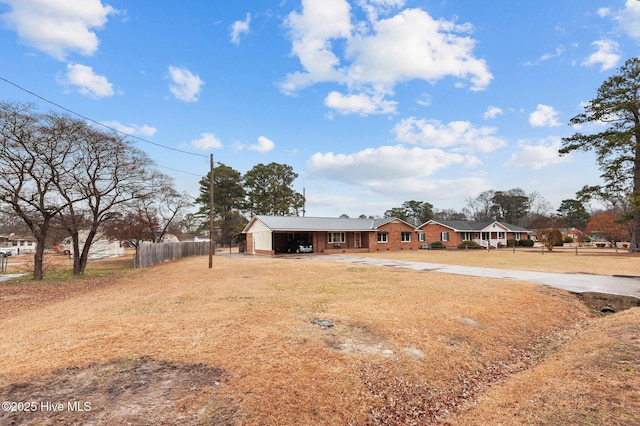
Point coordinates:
[(237, 344), (589, 260)]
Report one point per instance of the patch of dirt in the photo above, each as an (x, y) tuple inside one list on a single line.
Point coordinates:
[(136, 390), (356, 339)]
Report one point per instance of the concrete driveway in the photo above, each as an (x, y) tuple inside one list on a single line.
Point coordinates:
[(576, 283), (7, 277)]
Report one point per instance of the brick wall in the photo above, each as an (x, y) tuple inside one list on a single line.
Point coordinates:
[(432, 233), (394, 238)]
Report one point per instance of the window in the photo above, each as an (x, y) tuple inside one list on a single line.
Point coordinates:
[(466, 236), (290, 236), (405, 237), (516, 236), (382, 237), (444, 236), (336, 237), (501, 235), (421, 237)]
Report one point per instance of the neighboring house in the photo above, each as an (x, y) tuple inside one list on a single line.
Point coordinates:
[(573, 233), (18, 244), (101, 247), (488, 234), (276, 234)]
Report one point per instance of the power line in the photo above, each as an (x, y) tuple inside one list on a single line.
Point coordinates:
[(180, 171), (102, 124)]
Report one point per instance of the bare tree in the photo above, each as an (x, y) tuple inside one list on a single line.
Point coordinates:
[(539, 207), (107, 173), (481, 207), (449, 214), (163, 206), (134, 228), (33, 151)]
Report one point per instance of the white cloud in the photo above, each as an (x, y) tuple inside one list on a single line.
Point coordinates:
[(458, 135), (629, 18), (559, 51), (603, 12), (312, 33), (398, 172), (606, 55), (383, 164), (437, 189), (544, 116), (131, 129), (87, 82), (359, 104), (492, 112), (424, 100), (238, 28), (375, 55), (264, 145), (206, 141), (374, 8), (185, 86), (58, 27), (537, 156), (412, 45)]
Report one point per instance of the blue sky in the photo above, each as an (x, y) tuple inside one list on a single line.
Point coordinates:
[(372, 102)]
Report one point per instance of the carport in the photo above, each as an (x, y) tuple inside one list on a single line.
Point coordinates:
[(282, 241)]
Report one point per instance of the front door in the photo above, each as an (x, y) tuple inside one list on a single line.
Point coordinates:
[(357, 240)]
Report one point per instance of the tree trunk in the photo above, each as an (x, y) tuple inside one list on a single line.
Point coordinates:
[(40, 234), (84, 256), (38, 260), (634, 246), (76, 252)]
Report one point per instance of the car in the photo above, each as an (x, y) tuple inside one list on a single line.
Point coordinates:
[(5, 253), (300, 247)]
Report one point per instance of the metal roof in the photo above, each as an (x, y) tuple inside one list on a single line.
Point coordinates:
[(297, 223)]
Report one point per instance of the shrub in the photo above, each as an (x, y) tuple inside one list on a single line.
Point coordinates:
[(525, 243), (568, 239), (512, 243), (437, 245), (469, 245)]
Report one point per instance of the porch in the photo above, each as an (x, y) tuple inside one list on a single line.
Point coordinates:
[(489, 239)]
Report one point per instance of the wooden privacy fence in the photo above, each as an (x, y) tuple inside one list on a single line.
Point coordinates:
[(150, 254)]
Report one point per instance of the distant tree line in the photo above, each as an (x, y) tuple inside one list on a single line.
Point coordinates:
[(266, 189)]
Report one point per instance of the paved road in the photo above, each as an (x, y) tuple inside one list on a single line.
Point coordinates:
[(7, 277), (576, 283)]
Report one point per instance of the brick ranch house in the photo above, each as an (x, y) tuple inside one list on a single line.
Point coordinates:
[(488, 234), (274, 234)]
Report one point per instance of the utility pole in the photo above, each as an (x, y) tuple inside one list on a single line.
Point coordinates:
[(211, 247)]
